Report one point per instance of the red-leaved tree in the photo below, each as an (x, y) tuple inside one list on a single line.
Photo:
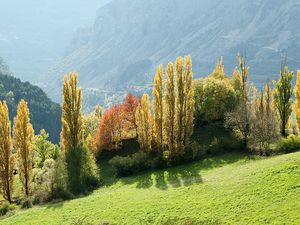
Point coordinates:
[(109, 135), (129, 105)]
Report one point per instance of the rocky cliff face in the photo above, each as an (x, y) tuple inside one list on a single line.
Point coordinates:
[(131, 37)]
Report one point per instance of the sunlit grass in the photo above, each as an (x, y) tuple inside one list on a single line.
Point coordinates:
[(228, 189)]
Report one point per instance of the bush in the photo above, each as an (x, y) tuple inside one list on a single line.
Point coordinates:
[(194, 152), (137, 162), (43, 182), (290, 144), (26, 203), (50, 182), (223, 144), (60, 180), (82, 170), (5, 207), (214, 96)]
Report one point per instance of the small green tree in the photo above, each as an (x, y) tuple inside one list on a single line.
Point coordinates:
[(43, 148)]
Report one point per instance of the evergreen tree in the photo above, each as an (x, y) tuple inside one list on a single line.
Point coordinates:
[(23, 136), (72, 134), (7, 160), (143, 121), (297, 99), (157, 107), (169, 109), (282, 94)]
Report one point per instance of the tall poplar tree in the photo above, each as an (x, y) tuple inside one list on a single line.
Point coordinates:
[(157, 107), (143, 121), (7, 160), (297, 99), (23, 136), (72, 134), (80, 162), (169, 109), (189, 101), (184, 114), (180, 104), (282, 94)]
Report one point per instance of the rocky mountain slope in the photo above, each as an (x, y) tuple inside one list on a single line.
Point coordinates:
[(130, 38)]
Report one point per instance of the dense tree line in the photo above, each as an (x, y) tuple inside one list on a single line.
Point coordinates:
[(162, 125)]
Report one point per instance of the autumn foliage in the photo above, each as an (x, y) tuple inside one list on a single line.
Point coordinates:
[(117, 123), (129, 106)]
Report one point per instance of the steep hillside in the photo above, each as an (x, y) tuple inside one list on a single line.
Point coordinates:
[(44, 113), (228, 189), (130, 38)]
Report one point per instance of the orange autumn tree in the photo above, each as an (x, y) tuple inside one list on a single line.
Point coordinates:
[(129, 106), (109, 135)]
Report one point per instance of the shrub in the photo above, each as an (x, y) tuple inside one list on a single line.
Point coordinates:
[(5, 207), (60, 180), (51, 182), (214, 97), (128, 165), (194, 152), (26, 203), (82, 170), (223, 144), (43, 182), (290, 144)]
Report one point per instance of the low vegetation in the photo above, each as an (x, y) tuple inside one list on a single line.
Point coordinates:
[(228, 189)]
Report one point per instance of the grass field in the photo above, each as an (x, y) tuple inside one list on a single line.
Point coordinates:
[(228, 189)]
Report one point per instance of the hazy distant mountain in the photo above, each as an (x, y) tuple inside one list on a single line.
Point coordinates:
[(130, 38), (34, 33)]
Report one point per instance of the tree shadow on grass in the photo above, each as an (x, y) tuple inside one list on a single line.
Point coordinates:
[(145, 181), (183, 175), (160, 181)]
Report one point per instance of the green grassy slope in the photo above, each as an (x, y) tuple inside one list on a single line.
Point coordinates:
[(229, 189)]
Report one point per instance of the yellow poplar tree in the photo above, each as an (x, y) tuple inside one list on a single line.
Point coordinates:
[(184, 114), (157, 107), (297, 99), (189, 101), (169, 109), (143, 121), (23, 135), (179, 113), (7, 161), (72, 133)]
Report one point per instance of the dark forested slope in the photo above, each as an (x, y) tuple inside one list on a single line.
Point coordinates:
[(44, 113)]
